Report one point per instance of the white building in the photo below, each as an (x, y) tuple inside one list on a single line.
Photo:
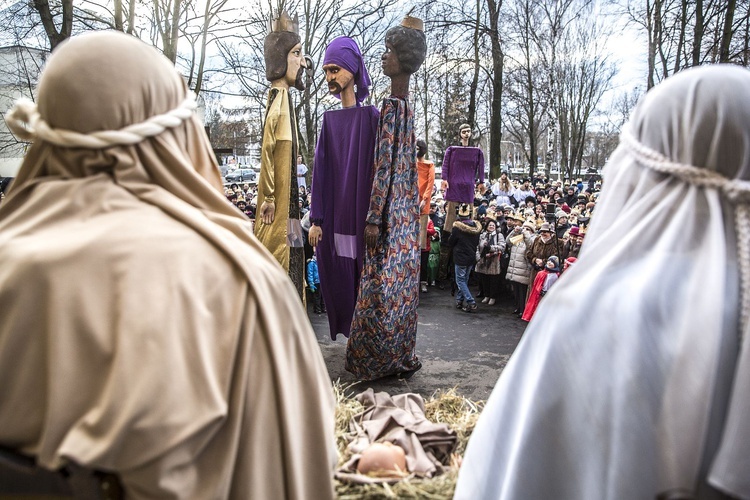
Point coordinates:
[(19, 72)]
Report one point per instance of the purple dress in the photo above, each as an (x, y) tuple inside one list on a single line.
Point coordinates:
[(462, 166), (341, 185), (384, 328)]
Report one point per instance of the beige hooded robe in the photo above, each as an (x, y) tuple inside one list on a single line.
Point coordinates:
[(144, 330)]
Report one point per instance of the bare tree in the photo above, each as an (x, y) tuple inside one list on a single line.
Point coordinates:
[(527, 98), (684, 33), (47, 13), (581, 78)]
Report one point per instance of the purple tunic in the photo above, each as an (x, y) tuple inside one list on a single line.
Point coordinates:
[(462, 166), (341, 186)]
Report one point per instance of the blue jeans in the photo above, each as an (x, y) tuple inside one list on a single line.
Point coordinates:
[(462, 283)]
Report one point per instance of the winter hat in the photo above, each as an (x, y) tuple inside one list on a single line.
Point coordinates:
[(545, 227), (555, 261), (565, 208), (529, 224), (575, 231)]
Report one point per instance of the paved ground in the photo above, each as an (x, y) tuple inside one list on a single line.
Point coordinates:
[(457, 349)]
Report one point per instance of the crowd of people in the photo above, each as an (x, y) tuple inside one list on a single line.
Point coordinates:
[(519, 225), (245, 197), (500, 243)]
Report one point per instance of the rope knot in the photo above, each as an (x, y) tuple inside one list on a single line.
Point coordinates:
[(737, 191), (21, 119)]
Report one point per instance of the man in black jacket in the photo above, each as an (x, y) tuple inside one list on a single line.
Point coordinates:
[(464, 240)]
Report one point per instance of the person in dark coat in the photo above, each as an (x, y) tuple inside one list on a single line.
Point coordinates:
[(464, 240), (570, 198), (573, 245)]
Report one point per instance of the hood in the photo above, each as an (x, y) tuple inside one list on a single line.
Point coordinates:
[(464, 226)]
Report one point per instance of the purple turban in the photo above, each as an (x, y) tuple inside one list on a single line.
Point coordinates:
[(344, 52)]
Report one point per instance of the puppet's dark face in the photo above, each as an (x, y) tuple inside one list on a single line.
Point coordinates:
[(391, 65)]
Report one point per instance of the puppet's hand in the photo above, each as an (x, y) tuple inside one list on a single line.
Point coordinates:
[(372, 231), (315, 235), (267, 212)]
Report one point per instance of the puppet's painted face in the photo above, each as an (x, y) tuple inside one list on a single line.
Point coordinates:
[(389, 60), (295, 68), (337, 78)]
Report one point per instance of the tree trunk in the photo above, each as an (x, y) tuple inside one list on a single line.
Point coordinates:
[(698, 32), (204, 41), (173, 32), (496, 131), (659, 37), (531, 120), (426, 105), (726, 37), (118, 15), (475, 78), (55, 37), (681, 39), (651, 44), (131, 18)]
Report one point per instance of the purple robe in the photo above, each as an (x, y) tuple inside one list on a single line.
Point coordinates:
[(462, 166), (341, 186)]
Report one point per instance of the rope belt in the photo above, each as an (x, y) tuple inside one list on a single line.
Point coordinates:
[(27, 125)]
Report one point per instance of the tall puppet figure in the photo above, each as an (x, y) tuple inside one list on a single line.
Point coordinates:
[(342, 181), (278, 220), (384, 328), (463, 168)]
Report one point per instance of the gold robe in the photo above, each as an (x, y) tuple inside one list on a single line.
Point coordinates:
[(278, 183)]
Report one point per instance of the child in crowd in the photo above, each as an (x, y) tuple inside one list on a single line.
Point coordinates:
[(542, 283), (434, 259), (313, 284)]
